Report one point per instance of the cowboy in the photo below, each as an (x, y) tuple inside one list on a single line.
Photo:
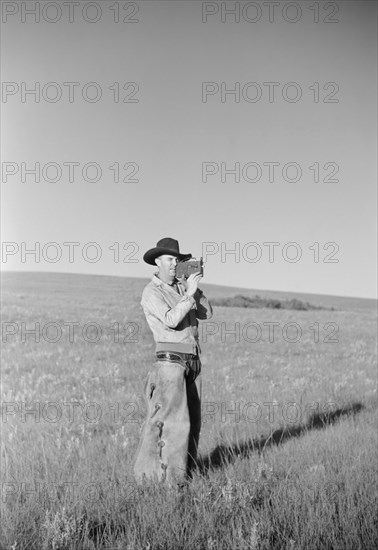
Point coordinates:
[(170, 434)]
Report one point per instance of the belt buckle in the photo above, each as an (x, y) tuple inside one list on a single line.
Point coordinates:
[(167, 355), (175, 357)]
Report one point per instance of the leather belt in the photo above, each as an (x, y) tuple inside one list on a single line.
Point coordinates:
[(169, 356)]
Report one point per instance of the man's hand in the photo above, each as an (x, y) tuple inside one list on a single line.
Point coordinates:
[(192, 283), (182, 281)]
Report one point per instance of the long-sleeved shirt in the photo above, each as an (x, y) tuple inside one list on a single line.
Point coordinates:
[(172, 316)]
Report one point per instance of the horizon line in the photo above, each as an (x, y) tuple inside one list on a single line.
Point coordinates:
[(203, 282)]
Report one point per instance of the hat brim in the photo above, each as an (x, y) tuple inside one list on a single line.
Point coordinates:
[(151, 255)]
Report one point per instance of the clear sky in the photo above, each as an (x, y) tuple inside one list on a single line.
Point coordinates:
[(180, 141)]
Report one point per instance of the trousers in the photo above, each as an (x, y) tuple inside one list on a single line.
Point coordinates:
[(168, 446)]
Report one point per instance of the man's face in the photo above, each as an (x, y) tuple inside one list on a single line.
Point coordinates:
[(167, 266)]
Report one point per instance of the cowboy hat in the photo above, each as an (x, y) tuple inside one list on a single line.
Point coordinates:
[(165, 246)]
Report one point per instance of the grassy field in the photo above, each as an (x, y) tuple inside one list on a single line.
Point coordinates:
[(289, 435)]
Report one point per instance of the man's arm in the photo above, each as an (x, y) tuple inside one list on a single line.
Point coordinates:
[(171, 316), (203, 306)]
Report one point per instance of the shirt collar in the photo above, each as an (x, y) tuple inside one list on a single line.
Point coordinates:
[(159, 282)]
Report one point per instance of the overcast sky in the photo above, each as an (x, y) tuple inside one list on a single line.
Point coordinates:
[(303, 148)]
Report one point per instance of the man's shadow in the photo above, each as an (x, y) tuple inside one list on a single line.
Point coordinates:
[(226, 454)]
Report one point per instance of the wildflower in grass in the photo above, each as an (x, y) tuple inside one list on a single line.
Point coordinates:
[(264, 471), (317, 469), (61, 530), (72, 444), (228, 491), (254, 537)]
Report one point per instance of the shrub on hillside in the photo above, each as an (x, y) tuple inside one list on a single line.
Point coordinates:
[(257, 302)]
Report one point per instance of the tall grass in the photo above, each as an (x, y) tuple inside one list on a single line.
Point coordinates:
[(278, 482)]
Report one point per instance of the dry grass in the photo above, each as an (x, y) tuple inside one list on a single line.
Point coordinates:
[(300, 476)]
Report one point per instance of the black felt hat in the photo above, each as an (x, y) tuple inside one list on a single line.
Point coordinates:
[(165, 246)]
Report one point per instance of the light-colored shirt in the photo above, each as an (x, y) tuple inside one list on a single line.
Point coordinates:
[(172, 316)]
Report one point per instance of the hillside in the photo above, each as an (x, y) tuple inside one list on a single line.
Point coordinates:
[(71, 284)]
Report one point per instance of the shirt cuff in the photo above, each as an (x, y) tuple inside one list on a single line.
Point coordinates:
[(191, 300)]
